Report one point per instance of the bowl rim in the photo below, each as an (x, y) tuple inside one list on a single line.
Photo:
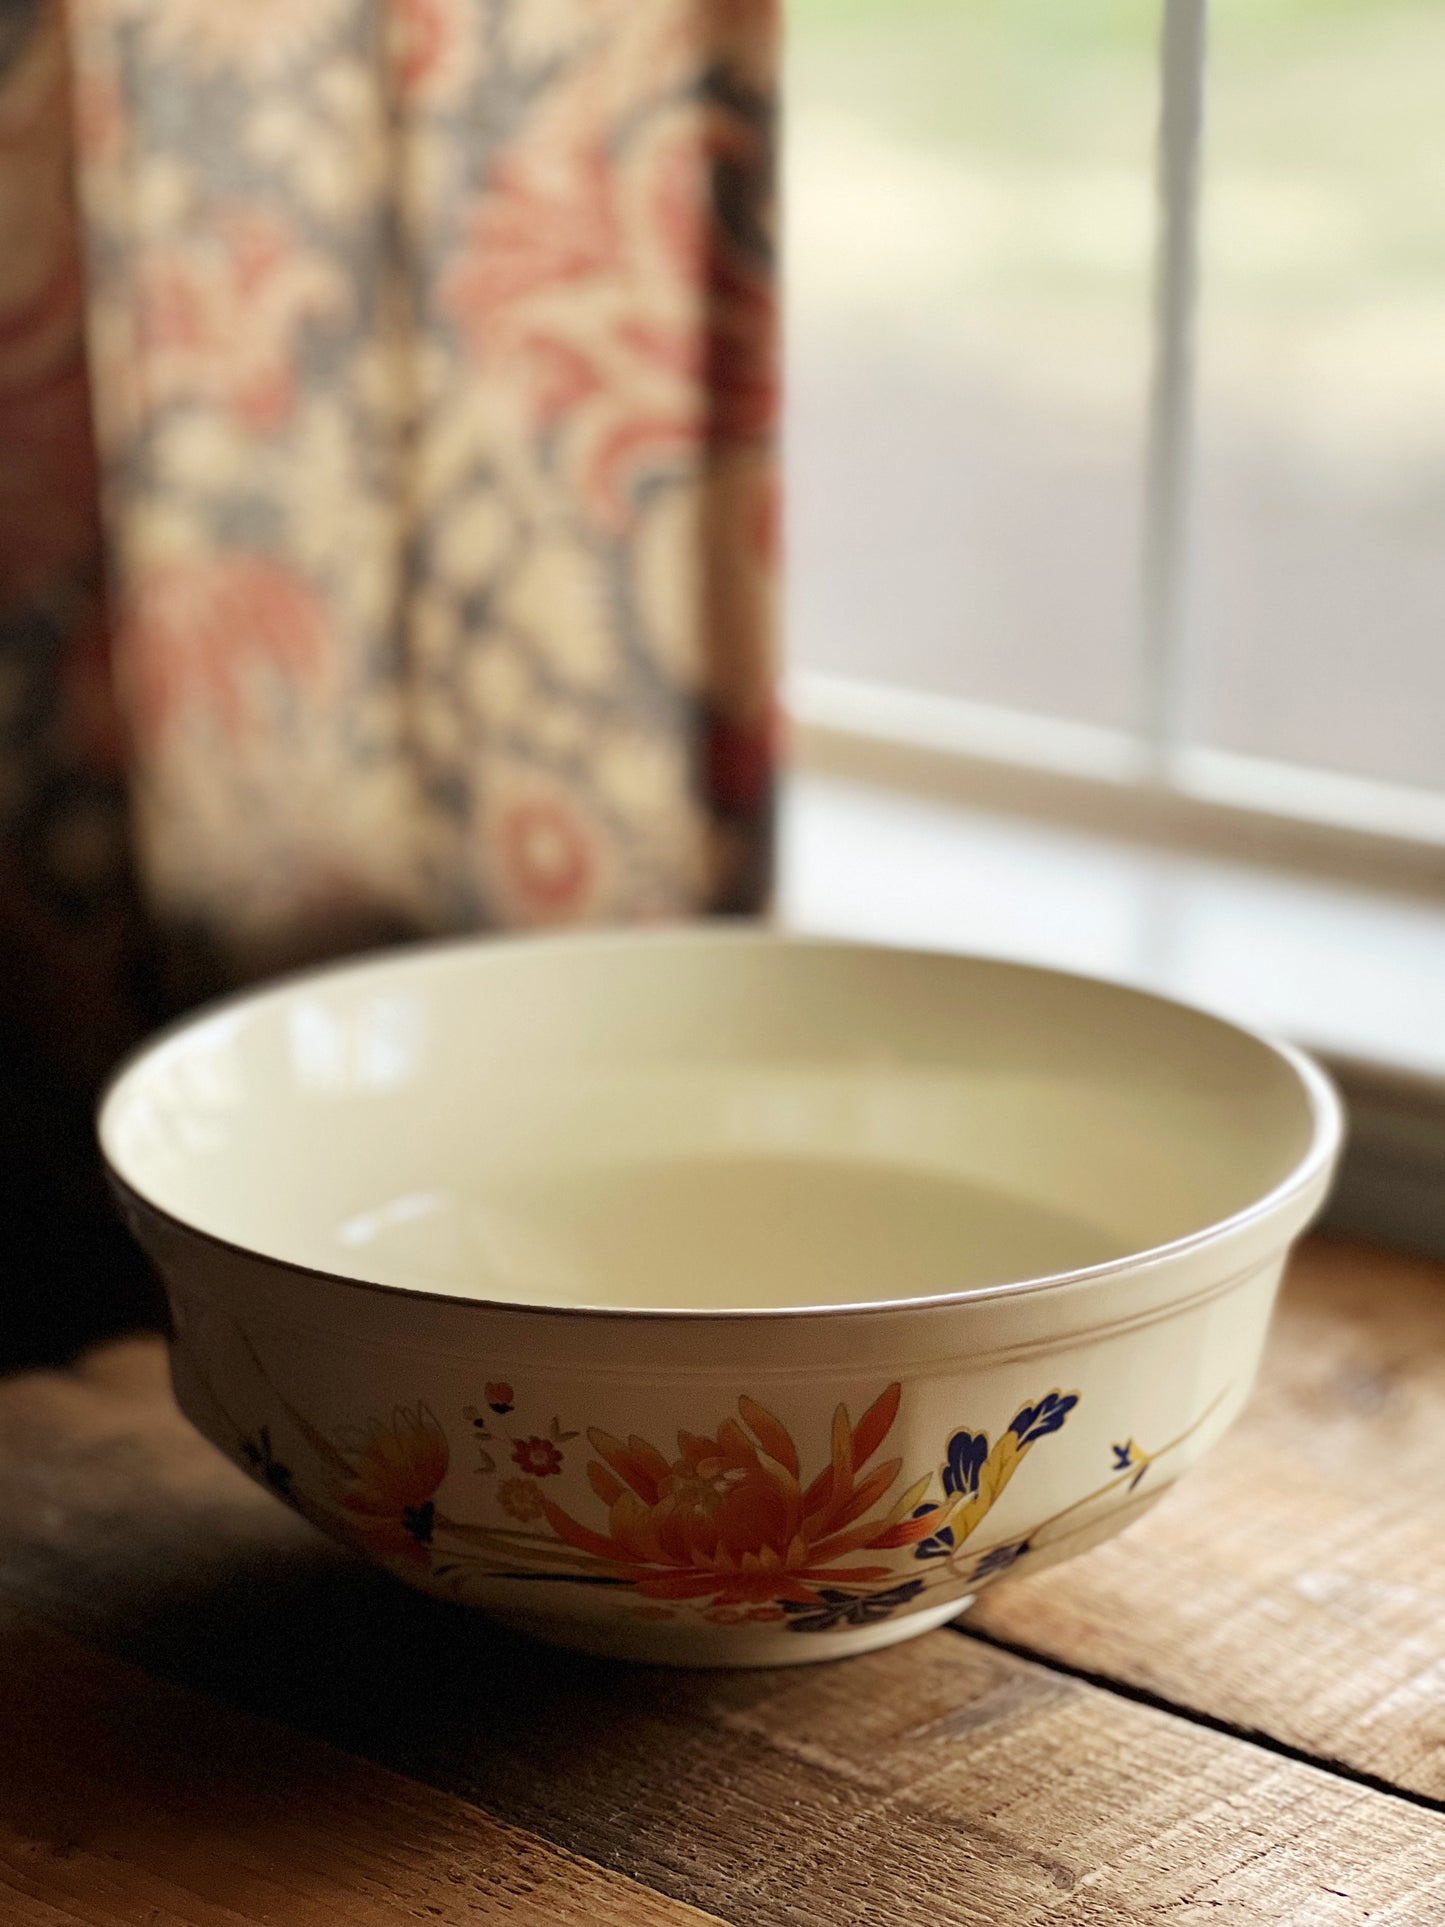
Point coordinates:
[(1326, 1108)]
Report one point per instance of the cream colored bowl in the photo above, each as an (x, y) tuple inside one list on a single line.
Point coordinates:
[(713, 1296)]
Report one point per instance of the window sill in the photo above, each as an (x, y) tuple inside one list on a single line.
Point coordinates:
[(1354, 973)]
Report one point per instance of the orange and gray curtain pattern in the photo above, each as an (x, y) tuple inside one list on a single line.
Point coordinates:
[(430, 351)]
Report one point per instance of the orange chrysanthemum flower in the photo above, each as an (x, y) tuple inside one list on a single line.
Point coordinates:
[(729, 1519)]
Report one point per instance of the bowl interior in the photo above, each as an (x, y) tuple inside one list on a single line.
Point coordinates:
[(703, 1120)]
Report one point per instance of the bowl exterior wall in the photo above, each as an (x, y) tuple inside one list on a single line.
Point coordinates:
[(711, 1495)]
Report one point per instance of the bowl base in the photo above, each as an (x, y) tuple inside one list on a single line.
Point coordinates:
[(657, 1643)]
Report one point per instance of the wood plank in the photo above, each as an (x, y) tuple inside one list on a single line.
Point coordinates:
[(942, 1782), (1295, 1582), (125, 1799)]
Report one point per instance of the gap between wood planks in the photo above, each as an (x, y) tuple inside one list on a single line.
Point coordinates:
[(1159, 1703)]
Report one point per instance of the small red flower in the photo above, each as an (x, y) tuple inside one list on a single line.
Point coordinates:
[(537, 1456), (499, 1396)]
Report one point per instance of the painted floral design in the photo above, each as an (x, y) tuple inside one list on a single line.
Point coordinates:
[(730, 1519), (1132, 1459), (261, 1461), (939, 1544), (522, 1498), (539, 1457), (733, 1528), (974, 1475), (396, 1469), (998, 1559), (834, 1610)]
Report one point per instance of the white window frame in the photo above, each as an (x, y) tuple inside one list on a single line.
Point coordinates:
[(1151, 782)]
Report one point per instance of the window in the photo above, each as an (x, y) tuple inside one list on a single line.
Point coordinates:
[(1116, 471), (1116, 431)]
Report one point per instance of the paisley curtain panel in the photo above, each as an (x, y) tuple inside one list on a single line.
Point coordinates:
[(433, 356), (430, 348)]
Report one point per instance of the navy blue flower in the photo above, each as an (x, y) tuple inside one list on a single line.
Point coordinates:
[(966, 1454), (940, 1545), (848, 1608), (1129, 1456), (265, 1465), (1033, 1422), (999, 1559), (419, 1521)]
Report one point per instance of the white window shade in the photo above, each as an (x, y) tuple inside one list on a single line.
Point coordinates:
[(1317, 631), (1188, 547), (969, 248)]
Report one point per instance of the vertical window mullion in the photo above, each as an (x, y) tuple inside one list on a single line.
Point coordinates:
[(1168, 472)]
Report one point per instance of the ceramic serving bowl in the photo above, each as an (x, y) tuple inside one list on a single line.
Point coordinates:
[(714, 1296)]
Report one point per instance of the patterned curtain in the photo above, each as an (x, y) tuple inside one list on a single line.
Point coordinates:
[(431, 354)]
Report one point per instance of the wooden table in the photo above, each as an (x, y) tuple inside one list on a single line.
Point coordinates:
[(1235, 1713)]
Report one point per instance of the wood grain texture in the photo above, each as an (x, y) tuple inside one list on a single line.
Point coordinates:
[(1295, 1582), (941, 1782), (124, 1799)]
